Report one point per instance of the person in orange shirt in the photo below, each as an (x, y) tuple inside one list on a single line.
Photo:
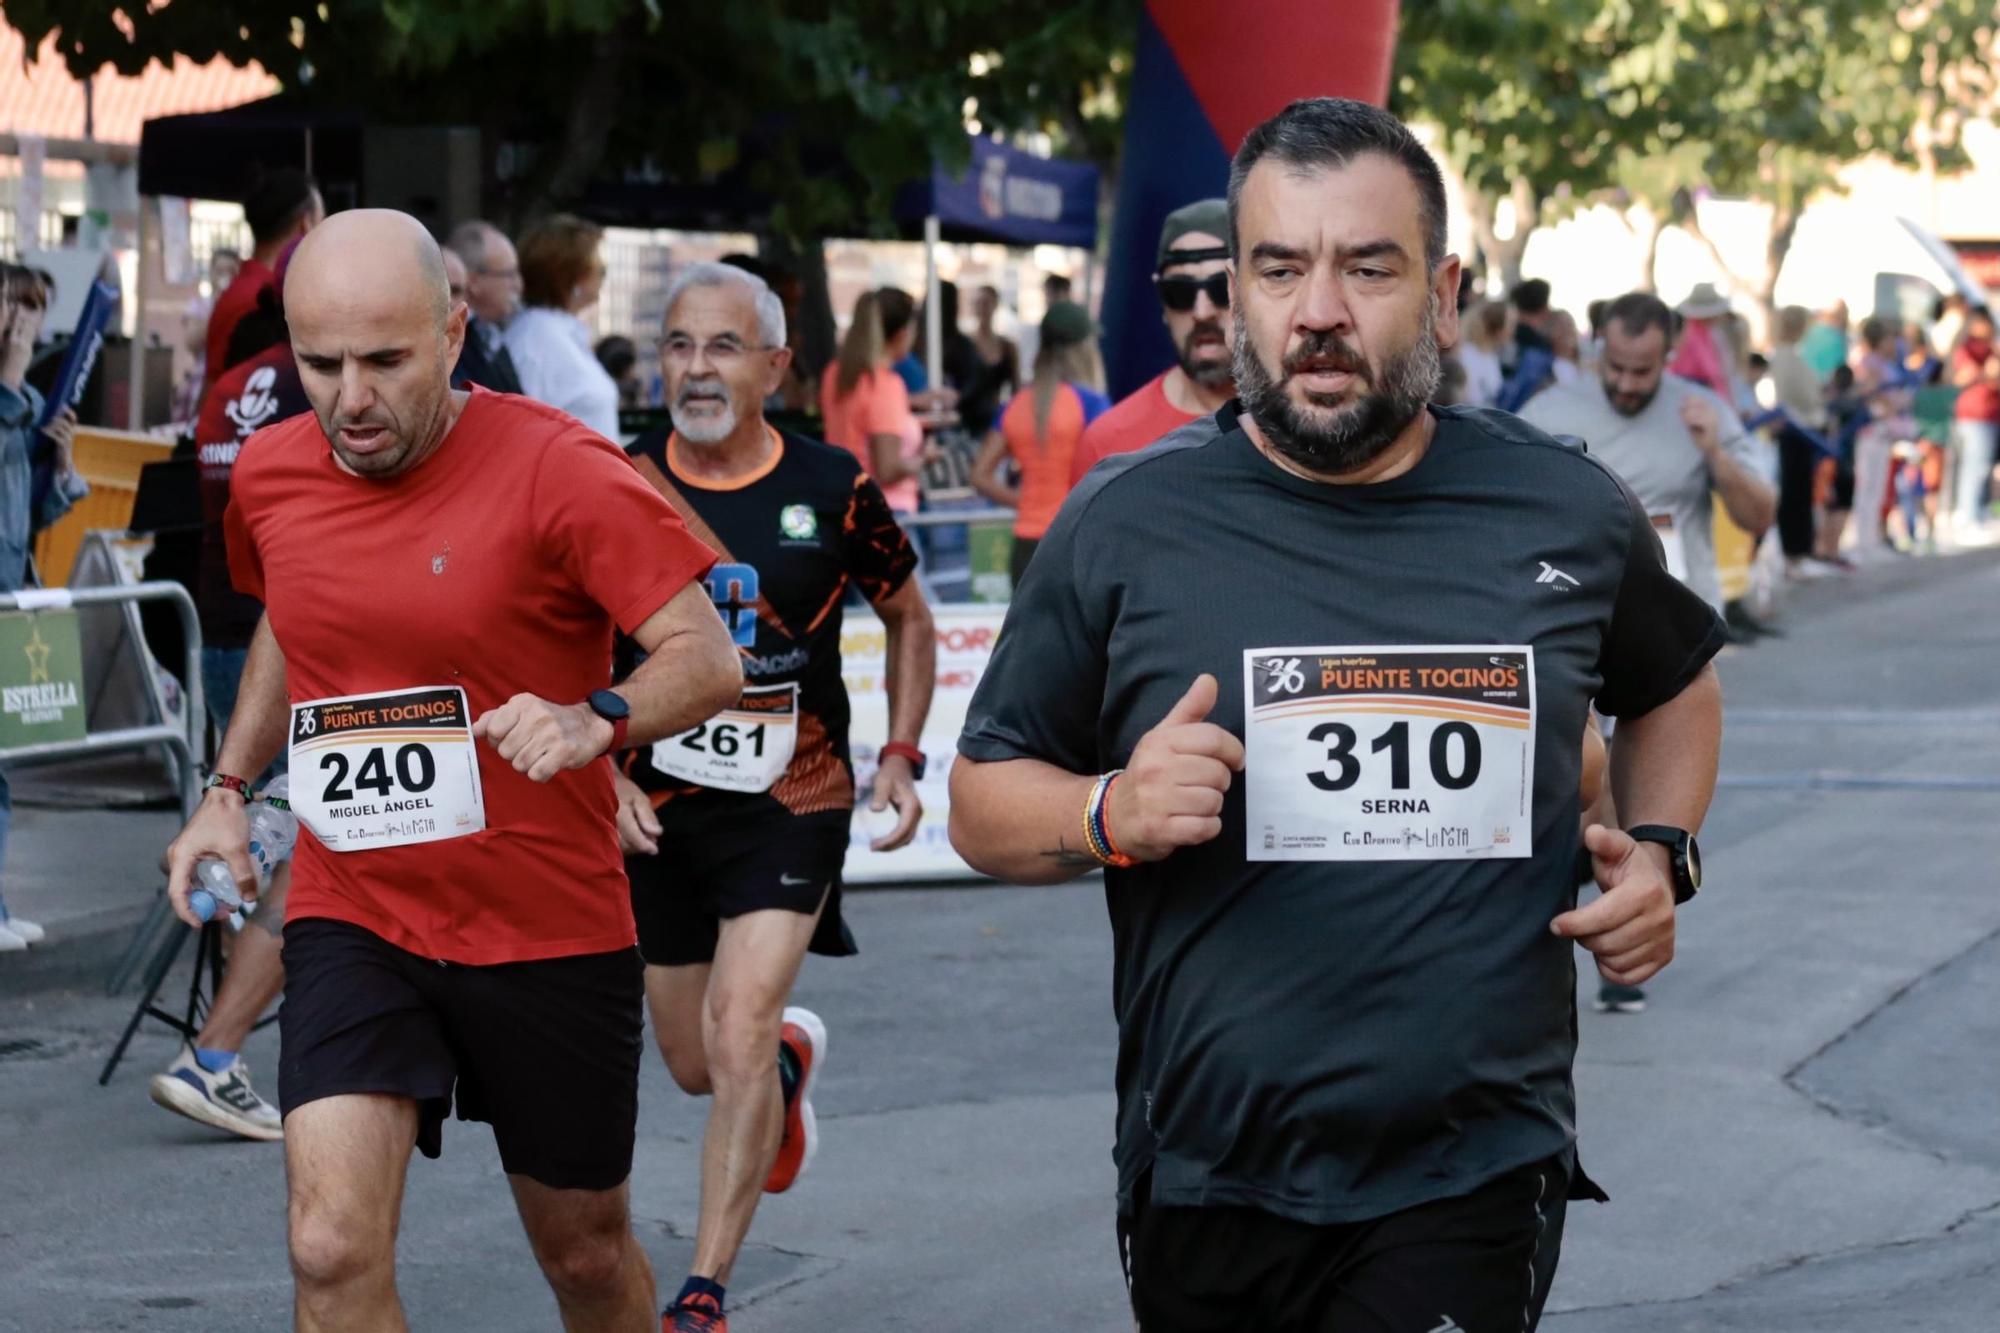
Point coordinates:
[(1042, 427), (866, 405)]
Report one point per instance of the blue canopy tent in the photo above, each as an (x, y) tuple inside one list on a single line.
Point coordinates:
[(1004, 194)]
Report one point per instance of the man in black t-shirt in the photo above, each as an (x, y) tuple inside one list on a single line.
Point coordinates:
[(736, 831), (1340, 879)]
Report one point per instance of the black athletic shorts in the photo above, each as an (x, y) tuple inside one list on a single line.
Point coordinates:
[(546, 1052), (1481, 1263), (698, 879)]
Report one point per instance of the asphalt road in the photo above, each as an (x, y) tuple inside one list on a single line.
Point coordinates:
[(1802, 1133)]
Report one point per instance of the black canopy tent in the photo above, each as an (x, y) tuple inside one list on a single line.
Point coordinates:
[(214, 154)]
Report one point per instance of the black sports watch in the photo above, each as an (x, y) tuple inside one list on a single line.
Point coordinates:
[(611, 706), (1686, 855)]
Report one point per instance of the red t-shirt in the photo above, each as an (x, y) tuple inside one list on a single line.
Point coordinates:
[(238, 299), (1133, 422), (242, 400), (1979, 400), (500, 565)]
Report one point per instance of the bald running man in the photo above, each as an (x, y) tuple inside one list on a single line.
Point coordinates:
[(442, 573)]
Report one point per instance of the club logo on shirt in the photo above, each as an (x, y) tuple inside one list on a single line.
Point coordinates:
[(441, 559), (257, 404), (798, 522), (734, 590)]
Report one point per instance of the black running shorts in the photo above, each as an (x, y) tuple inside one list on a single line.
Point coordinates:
[(1480, 1263), (697, 880), (546, 1052)]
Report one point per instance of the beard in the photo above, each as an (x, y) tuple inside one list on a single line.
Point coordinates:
[(1208, 374), (384, 461), (703, 429), (1338, 438)]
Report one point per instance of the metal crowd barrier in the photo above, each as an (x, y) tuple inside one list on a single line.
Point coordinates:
[(183, 742)]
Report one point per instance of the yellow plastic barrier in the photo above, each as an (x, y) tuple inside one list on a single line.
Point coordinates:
[(1734, 550), (110, 461)]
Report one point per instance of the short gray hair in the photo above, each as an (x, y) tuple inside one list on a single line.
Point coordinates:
[(770, 310), (468, 241)]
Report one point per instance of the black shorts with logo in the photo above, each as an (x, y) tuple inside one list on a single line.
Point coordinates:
[(547, 1052), (1481, 1263), (698, 879)]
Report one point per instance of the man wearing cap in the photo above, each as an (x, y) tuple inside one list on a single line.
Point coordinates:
[(1192, 279)]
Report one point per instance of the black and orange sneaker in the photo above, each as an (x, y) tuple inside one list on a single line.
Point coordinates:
[(695, 1314), (802, 1048)]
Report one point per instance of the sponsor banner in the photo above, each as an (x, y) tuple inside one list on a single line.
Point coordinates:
[(41, 678), (966, 635)]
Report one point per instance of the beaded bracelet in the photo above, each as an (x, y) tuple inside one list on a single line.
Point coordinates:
[(1097, 827)]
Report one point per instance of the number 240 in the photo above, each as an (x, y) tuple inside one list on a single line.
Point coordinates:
[(415, 769)]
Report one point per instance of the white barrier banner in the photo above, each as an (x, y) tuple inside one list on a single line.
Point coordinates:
[(965, 636)]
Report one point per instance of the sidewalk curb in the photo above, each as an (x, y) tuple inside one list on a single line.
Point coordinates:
[(78, 954)]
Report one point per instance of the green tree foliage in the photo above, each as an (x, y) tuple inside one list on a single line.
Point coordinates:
[(824, 106), (1660, 102)]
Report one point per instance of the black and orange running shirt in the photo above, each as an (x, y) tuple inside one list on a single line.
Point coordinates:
[(792, 539)]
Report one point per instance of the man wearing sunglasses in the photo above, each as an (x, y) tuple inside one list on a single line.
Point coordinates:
[(1192, 278)]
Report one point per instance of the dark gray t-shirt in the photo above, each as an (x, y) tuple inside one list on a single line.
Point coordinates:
[(1323, 1037)]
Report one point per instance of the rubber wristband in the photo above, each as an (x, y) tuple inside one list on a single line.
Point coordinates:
[(619, 728), (1097, 829), (904, 750), (227, 782)]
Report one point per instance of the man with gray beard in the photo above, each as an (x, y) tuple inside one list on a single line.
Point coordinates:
[(1340, 884), (735, 830)]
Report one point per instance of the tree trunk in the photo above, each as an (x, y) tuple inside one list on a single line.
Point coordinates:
[(1502, 257), (565, 168), (1784, 226), (1647, 230)]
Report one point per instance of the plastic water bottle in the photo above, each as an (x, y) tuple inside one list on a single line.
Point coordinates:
[(273, 831)]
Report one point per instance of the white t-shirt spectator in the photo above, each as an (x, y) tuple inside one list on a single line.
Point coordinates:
[(551, 351), (1483, 375), (1654, 455)]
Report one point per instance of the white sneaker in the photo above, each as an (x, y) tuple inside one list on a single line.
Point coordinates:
[(10, 942), (28, 931), (221, 1101)]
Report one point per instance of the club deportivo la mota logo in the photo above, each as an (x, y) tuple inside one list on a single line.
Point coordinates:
[(799, 522)]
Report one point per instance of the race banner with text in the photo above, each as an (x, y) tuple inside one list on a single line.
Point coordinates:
[(965, 638)]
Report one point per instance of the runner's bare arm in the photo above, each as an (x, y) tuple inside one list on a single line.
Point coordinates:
[(912, 634), (691, 673), (255, 734), (986, 472), (1663, 767), (1022, 819)]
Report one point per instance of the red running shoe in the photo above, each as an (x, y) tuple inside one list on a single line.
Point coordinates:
[(804, 1036), (696, 1314)]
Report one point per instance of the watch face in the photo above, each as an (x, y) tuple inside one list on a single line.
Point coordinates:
[(609, 705), (1694, 861)]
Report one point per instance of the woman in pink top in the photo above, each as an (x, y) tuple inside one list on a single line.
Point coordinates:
[(865, 403)]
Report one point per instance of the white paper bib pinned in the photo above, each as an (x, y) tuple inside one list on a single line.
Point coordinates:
[(386, 770), (746, 748), (1389, 753)]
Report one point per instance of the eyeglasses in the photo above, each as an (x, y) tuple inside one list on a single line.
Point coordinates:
[(1178, 292), (720, 351)]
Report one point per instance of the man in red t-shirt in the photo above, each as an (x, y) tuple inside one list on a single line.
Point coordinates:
[(442, 573), (283, 206), (1192, 278)]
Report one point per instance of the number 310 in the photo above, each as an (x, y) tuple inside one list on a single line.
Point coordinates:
[(1396, 740)]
